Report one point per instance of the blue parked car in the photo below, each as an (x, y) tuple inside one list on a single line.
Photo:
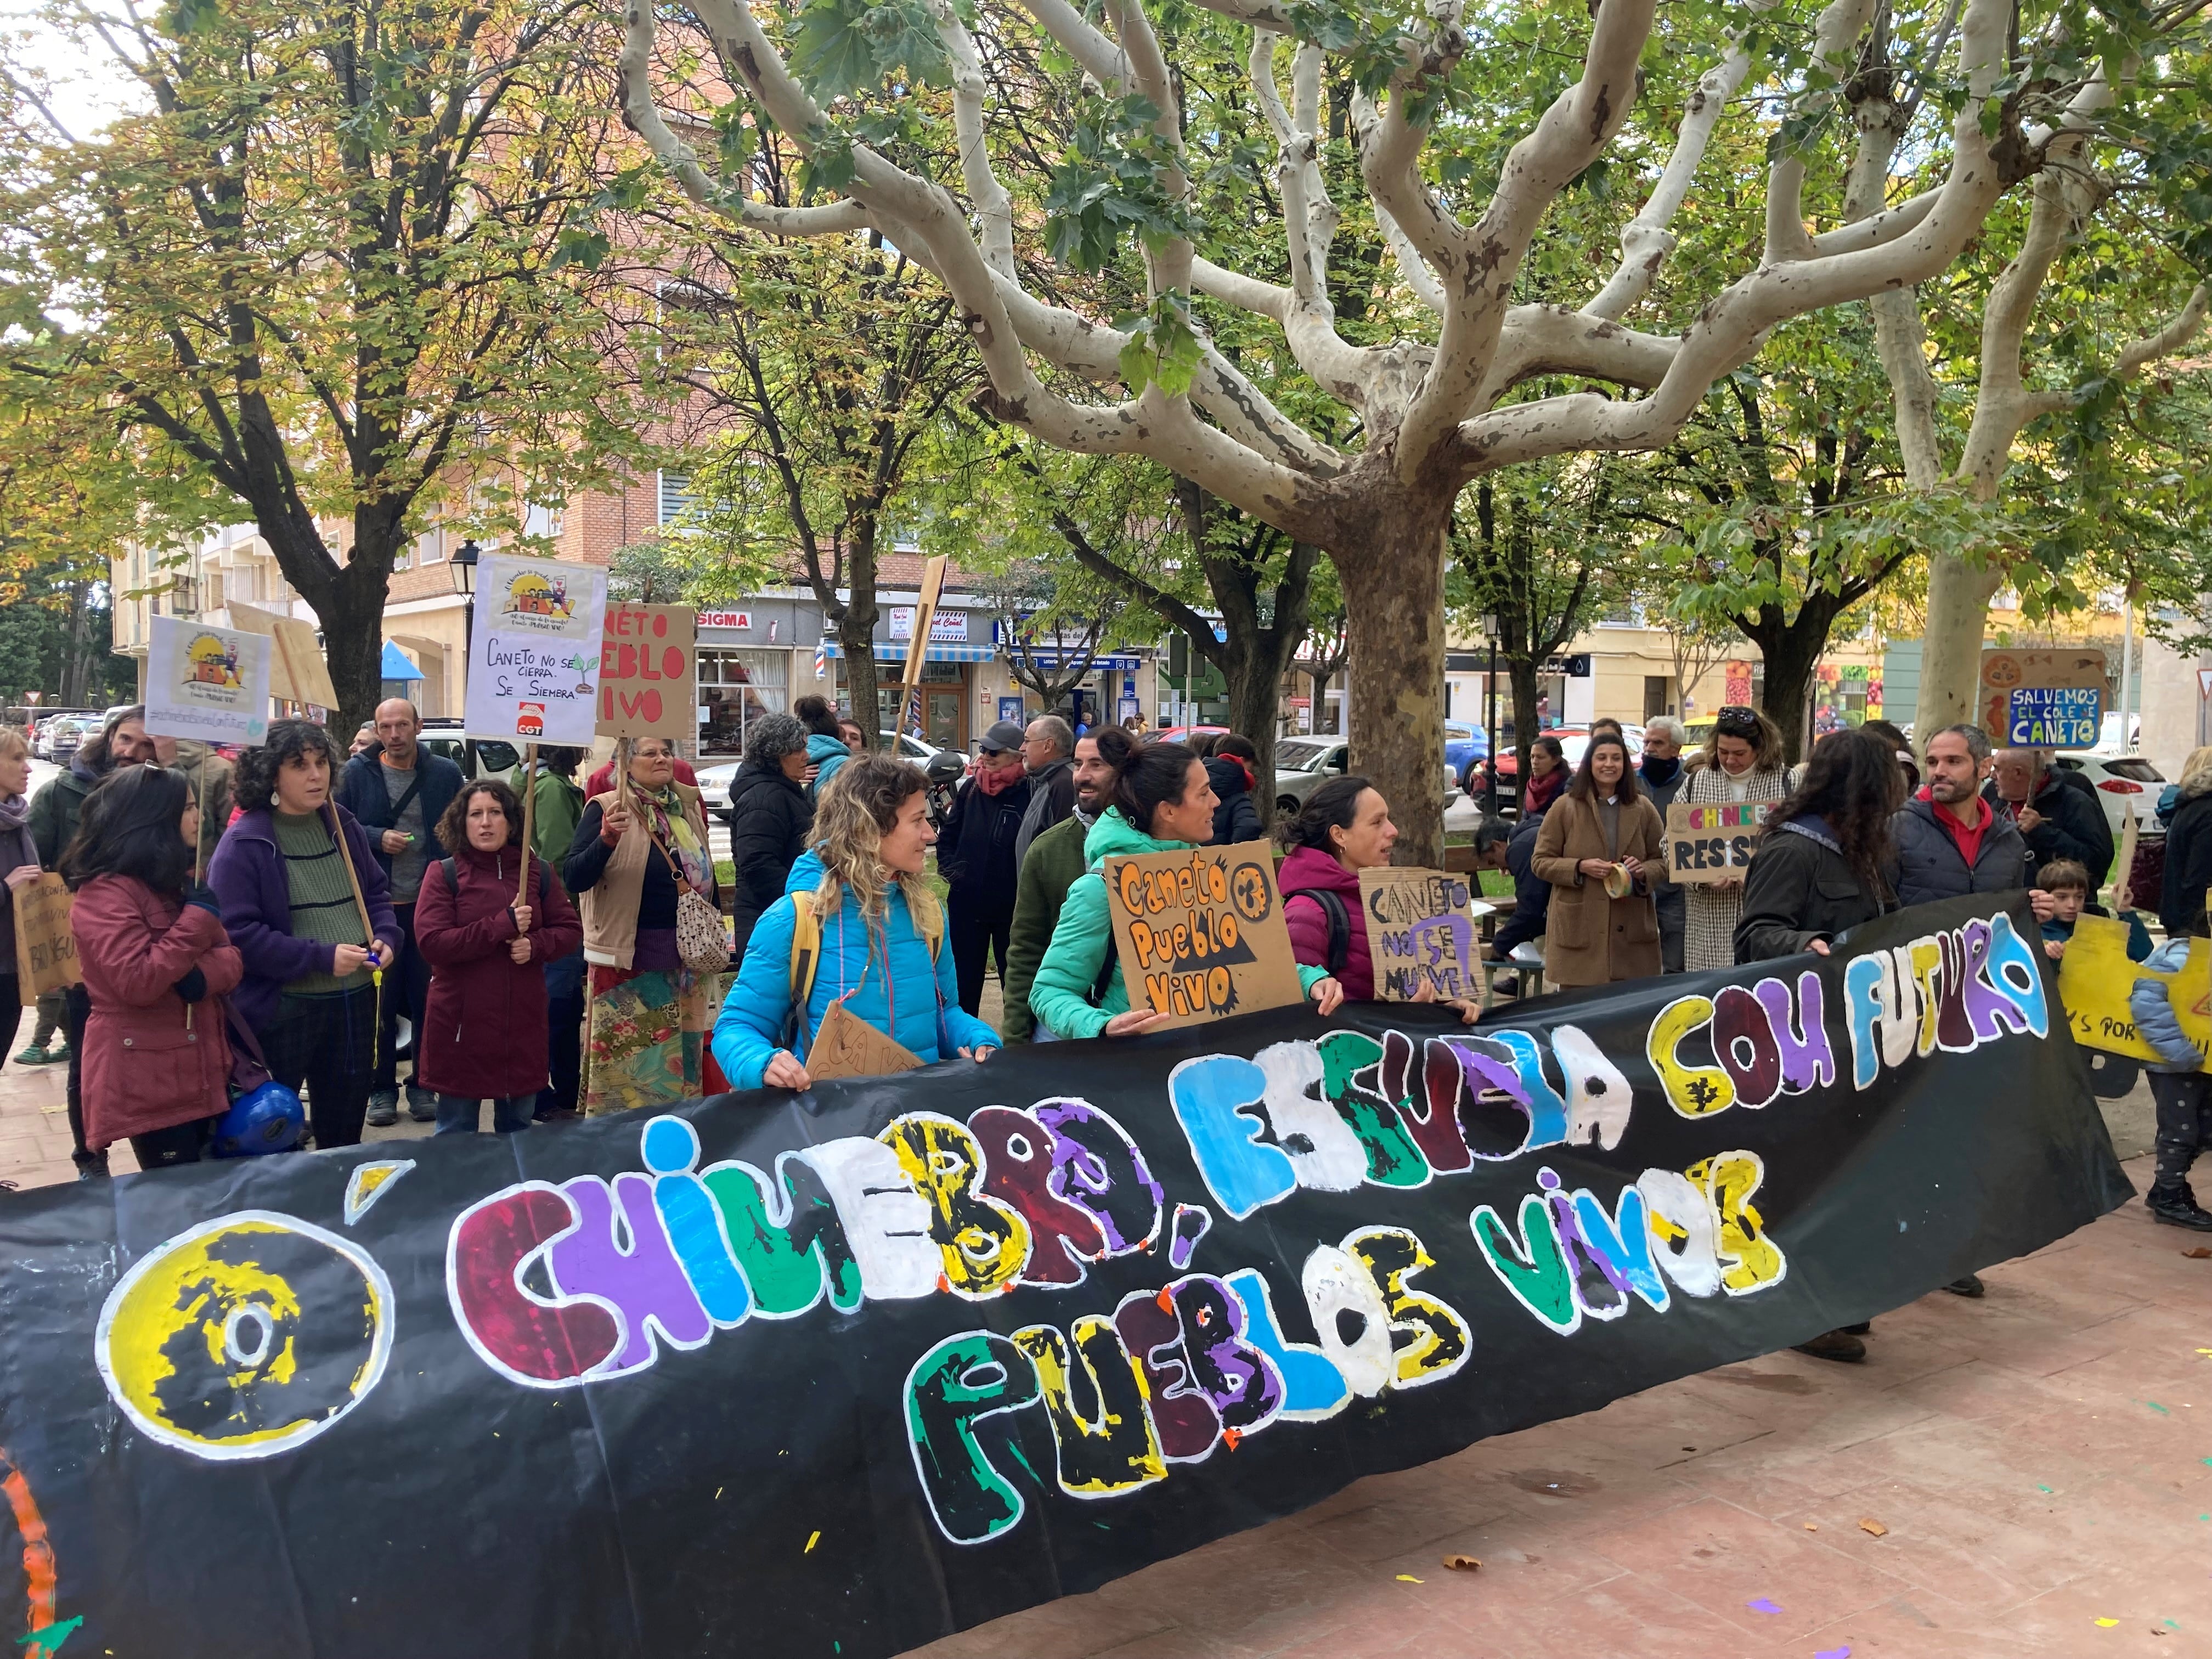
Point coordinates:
[(1464, 745)]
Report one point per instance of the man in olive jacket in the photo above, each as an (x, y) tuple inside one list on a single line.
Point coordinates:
[(1055, 861)]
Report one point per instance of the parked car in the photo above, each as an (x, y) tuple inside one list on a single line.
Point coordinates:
[(714, 780), (478, 757), (1185, 733), (2121, 781), (1465, 747), (1303, 764), (66, 737)]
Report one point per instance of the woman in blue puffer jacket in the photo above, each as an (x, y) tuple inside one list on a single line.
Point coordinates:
[(883, 934)]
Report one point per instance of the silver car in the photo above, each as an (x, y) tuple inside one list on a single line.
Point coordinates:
[(1303, 764)]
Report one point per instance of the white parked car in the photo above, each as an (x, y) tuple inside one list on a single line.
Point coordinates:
[(1303, 764), (2122, 782), (714, 780)]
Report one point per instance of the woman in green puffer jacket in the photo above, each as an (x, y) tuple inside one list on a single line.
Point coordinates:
[(1163, 803)]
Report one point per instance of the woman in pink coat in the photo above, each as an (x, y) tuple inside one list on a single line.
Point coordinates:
[(151, 945), (1344, 827), (484, 1029)]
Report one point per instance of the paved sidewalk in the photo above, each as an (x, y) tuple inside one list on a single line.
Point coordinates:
[(2033, 1461)]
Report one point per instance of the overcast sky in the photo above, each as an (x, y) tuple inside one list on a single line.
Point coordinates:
[(88, 90)]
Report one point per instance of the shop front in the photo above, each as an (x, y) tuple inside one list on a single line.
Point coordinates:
[(746, 668)]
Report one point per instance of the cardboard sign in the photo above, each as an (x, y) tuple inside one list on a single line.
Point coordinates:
[(846, 1045), (534, 662), (1201, 932), (1711, 841), (2096, 979), (206, 682), (2043, 699), (1421, 930), (46, 945), (297, 672), (648, 671)]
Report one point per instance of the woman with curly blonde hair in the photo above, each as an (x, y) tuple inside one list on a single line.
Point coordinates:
[(881, 934)]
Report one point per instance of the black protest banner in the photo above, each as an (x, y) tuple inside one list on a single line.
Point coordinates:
[(838, 1374)]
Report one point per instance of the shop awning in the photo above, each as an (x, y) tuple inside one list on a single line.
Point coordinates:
[(397, 665), (1051, 659), (934, 653)]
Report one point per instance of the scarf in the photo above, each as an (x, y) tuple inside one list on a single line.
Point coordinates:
[(1660, 772), (995, 780), (666, 820), (15, 811), (1087, 819), (1542, 792)]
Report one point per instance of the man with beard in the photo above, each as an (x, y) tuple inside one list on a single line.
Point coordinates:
[(1949, 840), (1055, 860)]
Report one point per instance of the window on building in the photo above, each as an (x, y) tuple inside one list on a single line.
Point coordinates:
[(736, 687), (675, 494), (539, 520)]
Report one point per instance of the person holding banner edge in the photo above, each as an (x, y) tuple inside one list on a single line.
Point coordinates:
[(880, 935), (155, 957), (306, 903), (1163, 802)]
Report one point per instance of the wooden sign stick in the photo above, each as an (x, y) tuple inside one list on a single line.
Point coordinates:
[(529, 806), (367, 927)]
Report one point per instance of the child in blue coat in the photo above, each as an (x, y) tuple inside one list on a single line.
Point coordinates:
[(2179, 1086), (882, 939)]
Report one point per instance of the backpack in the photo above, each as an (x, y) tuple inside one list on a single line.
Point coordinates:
[(806, 947), (1339, 925)]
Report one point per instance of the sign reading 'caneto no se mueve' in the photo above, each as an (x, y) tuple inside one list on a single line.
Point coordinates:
[(1420, 931), (1201, 932)]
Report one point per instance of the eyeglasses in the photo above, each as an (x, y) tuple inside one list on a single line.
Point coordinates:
[(1737, 722)]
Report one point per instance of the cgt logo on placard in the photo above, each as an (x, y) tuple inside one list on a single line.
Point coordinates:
[(1187, 927)]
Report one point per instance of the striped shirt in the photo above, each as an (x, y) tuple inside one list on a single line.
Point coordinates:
[(323, 907)]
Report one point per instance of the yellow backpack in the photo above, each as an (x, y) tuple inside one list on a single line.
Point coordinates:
[(806, 947)]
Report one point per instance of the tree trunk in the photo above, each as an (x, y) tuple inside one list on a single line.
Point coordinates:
[(1959, 597), (856, 633), (1790, 657), (351, 615), (1521, 672), (75, 659), (1395, 629), (1254, 695)]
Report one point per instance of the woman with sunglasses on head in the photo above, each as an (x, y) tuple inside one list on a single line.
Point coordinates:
[(1599, 848), (1743, 762)]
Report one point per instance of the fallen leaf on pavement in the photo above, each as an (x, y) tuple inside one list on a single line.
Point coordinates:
[(2200, 1254), (1875, 1528), (1809, 1526), (1462, 1562)]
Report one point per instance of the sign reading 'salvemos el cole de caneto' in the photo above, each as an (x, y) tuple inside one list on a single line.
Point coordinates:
[(838, 1373)]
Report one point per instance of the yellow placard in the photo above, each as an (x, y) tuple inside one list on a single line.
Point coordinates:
[(2095, 977)]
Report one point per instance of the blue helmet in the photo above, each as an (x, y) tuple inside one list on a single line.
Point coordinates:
[(266, 1119)]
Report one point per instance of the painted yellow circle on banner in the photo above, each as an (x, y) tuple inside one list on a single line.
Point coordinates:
[(244, 1336)]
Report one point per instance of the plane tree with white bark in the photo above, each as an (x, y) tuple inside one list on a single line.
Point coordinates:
[(1433, 407)]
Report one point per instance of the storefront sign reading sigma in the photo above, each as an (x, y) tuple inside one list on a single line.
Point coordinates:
[(534, 662)]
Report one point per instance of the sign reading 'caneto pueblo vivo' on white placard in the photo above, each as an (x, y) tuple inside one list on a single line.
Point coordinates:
[(534, 660), (206, 682)]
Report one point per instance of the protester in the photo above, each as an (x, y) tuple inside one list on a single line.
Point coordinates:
[(2056, 822), (1229, 770), (397, 794), (1949, 840), (1896, 739), (290, 903), (1055, 862), (2188, 870), (2180, 1090), (1048, 754), (483, 1037), (1532, 899), (880, 934), (1136, 726), (2067, 884), (826, 748), (151, 944), (976, 856), (1597, 848), (1659, 774), (648, 1012), (603, 779), (1162, 803), (1201, 744), (1548, 774), (1742, 764), (1817, 871), (769, 815), (364, 739), (52, 820), (1343, 827), (856, 741), (557, 808), (19, 867)]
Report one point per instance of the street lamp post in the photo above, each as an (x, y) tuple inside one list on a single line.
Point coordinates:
[(1490, 716), (463, 569)]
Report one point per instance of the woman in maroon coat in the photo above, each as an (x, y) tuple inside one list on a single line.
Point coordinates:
[(483, 1031), (150, 943)]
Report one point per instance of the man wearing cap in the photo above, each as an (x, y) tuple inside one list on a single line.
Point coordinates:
[(976, 855)]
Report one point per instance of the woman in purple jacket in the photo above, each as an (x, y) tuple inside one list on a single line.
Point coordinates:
[(310, 990)]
